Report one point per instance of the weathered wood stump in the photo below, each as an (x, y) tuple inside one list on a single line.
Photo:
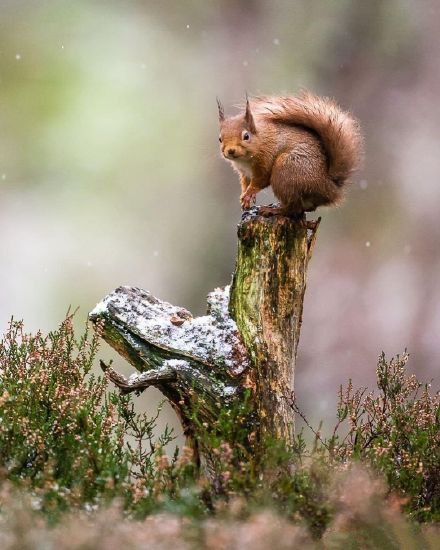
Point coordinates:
[(247, 342)]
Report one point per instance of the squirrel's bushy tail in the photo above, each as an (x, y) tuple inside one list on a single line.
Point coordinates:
[(338, 130)]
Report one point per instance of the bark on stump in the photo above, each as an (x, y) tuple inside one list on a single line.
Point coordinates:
[(247, 341)]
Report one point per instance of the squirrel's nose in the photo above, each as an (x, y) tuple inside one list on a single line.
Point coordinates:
[(231, 152)]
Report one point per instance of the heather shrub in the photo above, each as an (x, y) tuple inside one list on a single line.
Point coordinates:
[(69, 440), (397, 432), (60, 433), (157, 482), (72, 442)]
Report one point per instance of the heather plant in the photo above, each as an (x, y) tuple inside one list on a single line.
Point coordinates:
[(397, 432), (155, 481), (72, 443), (60, 434), (69, 440), (291, 482)]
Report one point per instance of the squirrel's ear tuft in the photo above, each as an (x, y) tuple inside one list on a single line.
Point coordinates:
[(249, 119), (221, 111)]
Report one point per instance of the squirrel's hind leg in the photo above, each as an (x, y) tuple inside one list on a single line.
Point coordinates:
[(268, 211), (300, 183)]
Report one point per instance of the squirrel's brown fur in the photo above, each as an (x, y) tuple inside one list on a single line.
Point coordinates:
[(306, 147)]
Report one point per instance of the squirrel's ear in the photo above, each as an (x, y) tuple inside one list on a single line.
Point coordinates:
[(221, 111), (249, 119)]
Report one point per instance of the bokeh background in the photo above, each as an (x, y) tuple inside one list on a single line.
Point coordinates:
[(110, 173)]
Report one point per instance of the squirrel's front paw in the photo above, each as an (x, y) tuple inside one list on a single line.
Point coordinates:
[(247, 199)]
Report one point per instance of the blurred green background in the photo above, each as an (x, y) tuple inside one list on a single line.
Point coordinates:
[(110, 172)]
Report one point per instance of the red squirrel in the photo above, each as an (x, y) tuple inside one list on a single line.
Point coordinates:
[(305, 147)]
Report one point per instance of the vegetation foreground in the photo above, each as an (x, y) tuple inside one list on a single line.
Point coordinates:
[(80, 468)]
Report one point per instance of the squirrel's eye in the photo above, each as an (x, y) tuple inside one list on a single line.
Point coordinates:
[(220, 139), (246, 136)]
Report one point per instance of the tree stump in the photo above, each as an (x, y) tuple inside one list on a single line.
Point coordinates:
[(247, 342)]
